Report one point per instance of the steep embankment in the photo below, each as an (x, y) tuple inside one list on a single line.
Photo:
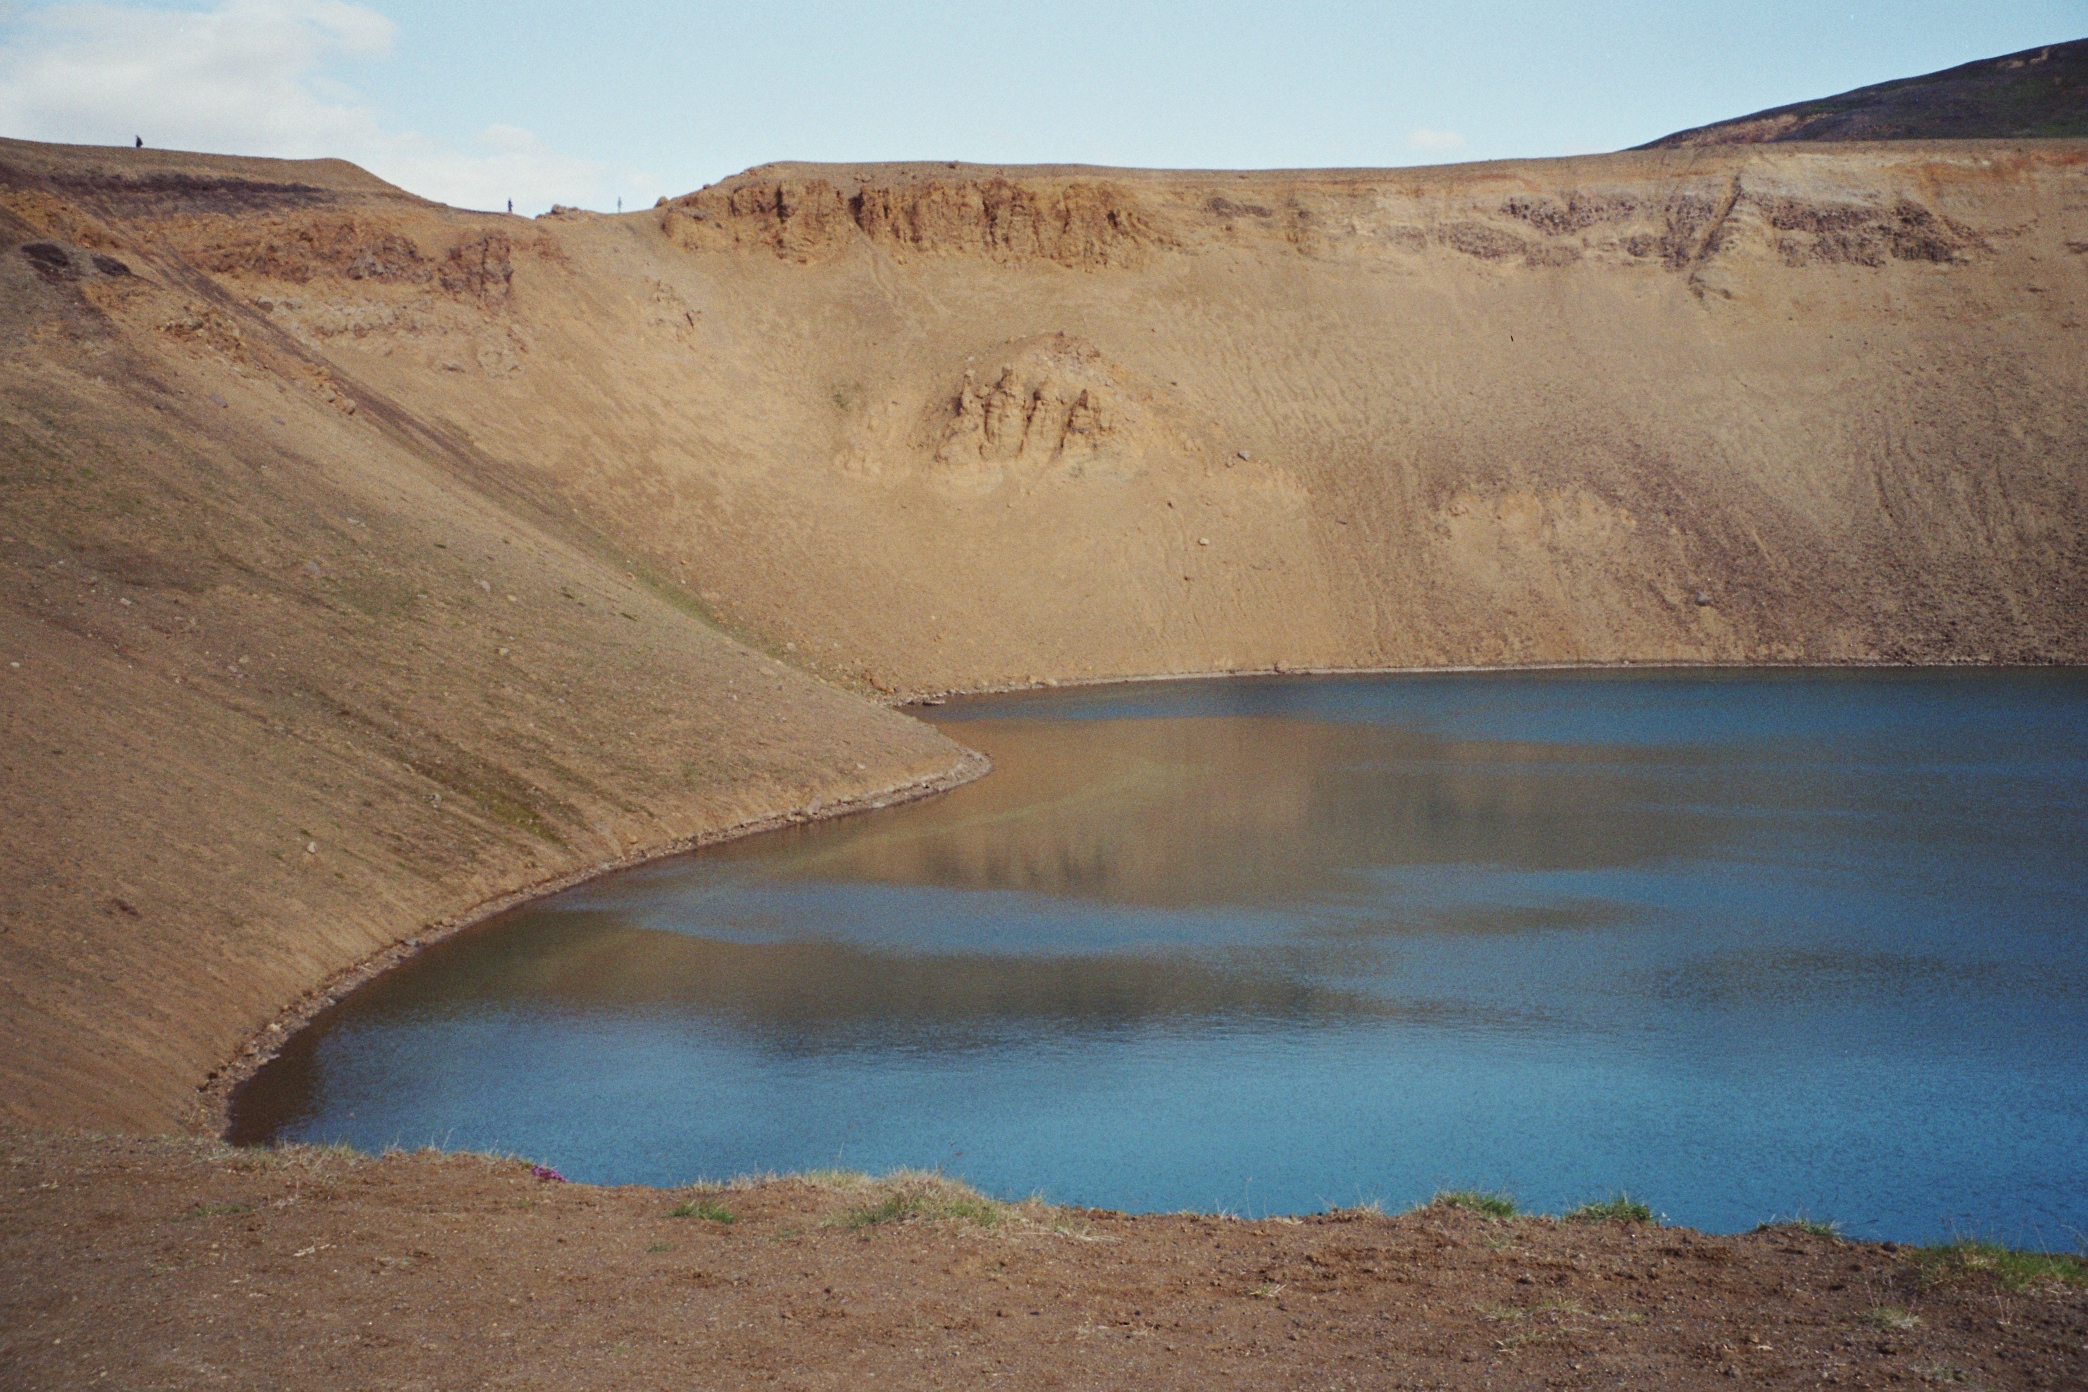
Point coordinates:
[(276, 468), (945, 427), (2040, 93)]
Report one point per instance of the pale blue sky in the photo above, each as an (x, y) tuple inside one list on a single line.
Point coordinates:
[(476, 101)]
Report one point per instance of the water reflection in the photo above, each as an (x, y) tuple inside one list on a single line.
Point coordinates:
[(813, 996), (809, 990), (1228, 810), (1751, 944)]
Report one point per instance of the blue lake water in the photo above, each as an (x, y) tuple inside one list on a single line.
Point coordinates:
[(1748, 945)]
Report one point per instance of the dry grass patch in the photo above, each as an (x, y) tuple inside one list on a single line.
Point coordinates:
[(1619, 1207), (918, 1195), (708, 1209), (1969, 1258), (1483, 1202)]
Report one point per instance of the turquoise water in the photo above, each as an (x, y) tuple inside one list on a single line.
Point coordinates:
[(1747, 945)]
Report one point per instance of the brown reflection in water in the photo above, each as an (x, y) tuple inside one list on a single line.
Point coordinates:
[(807, 996), (1211, 810), (604, 962)]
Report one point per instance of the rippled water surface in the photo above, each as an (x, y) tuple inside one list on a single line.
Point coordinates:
[(1746, 945)]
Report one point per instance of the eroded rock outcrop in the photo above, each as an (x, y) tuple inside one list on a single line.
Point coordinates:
[(1049, 400), (1678, 222), (479, 267), (1078, 223), (1693, 225), (1809, 233), (1054, 403)]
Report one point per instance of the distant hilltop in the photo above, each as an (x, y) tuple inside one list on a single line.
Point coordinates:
[(2040, 92)]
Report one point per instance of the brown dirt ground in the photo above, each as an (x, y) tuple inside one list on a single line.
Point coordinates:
[(161, 1263)]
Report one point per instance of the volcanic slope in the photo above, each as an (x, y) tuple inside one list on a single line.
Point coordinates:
[(292, 674), (955, 427), (2040, 92), (282, 440)]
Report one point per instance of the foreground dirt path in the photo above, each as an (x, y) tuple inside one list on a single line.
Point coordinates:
[(148, 1263)]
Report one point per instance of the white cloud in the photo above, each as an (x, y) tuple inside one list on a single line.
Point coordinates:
[(504, 162), (1425, 139), (246, 77)]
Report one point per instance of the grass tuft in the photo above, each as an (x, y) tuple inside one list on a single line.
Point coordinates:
[(1812, 1227), (901, 1205), (836, 1179), (709, 1210), (1492, 1205), (1968, 1258), (1891, 1317), (1619, 1207), (910, 1194)]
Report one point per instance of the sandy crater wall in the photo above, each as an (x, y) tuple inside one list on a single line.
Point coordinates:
[(1812, 404)]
